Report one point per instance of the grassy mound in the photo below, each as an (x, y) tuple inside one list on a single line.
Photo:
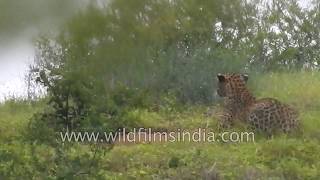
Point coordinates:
[(281, 157)]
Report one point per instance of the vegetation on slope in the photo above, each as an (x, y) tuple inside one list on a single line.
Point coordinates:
[(281, 157), (153, 64)]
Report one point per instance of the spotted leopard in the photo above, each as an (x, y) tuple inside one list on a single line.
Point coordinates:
[(267, 115)]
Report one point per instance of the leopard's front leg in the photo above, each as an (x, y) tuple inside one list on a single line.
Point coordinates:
[(225, 120)]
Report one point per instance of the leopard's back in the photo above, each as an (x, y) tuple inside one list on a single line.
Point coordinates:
[(270, 115)]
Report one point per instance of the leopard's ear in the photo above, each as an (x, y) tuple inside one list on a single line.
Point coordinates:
[(245, 77), (221, 77)]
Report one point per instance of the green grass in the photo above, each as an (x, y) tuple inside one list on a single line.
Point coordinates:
[(282, 157), (301, 89), (14, 117)]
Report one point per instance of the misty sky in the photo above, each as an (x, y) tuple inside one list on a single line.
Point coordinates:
[(20, 23)]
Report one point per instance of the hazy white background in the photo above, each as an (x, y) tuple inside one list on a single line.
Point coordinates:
[(20, 23)]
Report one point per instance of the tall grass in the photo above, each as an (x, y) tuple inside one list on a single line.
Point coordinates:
[(300, 89), (14, 116)]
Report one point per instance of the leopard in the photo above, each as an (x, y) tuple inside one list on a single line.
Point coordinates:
[(266, 115)]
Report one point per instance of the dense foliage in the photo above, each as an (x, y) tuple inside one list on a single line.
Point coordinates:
[(126, 64), (156, 48)]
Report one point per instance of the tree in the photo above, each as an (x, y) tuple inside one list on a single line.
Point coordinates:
[(159, 47)]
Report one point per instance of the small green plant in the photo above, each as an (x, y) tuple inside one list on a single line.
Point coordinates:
[(174, 162)]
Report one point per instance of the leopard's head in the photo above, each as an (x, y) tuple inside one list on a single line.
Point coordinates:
[(231, 84)]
